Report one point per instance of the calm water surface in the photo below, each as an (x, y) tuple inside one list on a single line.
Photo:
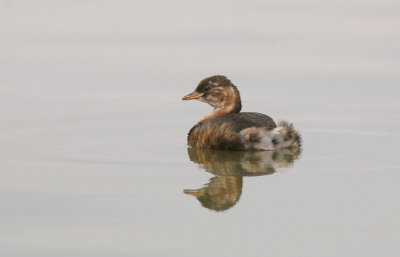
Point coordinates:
[(93, 174), (93, 150)]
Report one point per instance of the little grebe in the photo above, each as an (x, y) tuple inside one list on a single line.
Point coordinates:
[(228, 128)]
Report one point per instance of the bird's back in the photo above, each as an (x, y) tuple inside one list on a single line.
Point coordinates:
[(222, 132), (244, 120)]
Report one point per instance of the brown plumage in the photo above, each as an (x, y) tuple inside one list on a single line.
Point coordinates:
[(227, 128)]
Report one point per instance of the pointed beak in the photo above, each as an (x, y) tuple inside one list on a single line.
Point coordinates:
[(192, 96), (193, 192)]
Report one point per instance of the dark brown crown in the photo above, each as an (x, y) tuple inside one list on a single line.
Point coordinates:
[(213, 81)]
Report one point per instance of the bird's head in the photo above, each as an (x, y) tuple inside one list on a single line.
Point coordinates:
[(217, 91)]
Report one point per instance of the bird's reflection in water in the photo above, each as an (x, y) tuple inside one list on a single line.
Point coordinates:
[(229, 167)]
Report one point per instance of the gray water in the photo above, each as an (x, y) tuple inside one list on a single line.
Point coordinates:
[(93, 153)]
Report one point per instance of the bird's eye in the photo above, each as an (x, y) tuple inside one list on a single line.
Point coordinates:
[(207, 88)]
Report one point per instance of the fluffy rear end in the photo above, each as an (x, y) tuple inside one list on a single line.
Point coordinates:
[(283, 136)]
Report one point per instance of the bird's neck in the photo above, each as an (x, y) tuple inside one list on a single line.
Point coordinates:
[(231, 104)]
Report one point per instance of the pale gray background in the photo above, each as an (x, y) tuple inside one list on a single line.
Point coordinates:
[(93, 155)]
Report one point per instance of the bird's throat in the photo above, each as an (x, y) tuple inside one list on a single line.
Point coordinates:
[(232, 104)]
